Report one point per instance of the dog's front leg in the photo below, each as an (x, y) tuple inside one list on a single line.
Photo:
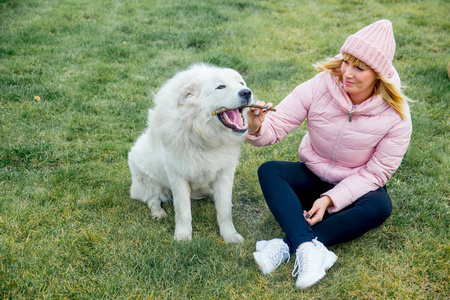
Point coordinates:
[(222, 189), (182, 204)]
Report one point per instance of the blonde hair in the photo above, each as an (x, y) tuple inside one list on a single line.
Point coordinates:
[(385, 87)]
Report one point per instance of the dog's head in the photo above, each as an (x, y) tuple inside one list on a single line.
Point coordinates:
[(184, 105), (212, 88)]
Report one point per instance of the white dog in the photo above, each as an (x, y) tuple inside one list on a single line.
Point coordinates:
[(189, 153)]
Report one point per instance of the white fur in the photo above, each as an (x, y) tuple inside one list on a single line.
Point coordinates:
[(186, 153)]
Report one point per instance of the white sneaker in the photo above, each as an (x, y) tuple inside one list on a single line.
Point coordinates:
[(271, 255), (311, 262), (260, 245)]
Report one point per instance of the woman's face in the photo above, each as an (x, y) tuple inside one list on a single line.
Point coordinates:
[(359, 81)]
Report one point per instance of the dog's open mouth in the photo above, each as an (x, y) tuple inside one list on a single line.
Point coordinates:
[(234, 120)]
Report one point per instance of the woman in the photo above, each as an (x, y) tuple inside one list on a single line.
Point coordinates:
[(359, 128)]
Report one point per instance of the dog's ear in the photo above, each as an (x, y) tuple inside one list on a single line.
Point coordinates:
[(189, 91)]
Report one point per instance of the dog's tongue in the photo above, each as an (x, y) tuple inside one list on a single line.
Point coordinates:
[(234, 120), (235, 117)]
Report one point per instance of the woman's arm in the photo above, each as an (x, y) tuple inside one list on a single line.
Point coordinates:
[(291, 112)]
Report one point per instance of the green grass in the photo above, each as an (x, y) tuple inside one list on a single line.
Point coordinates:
[(68, 228)]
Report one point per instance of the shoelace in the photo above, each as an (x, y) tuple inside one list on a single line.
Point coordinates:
[(298, 267), (277, 256)]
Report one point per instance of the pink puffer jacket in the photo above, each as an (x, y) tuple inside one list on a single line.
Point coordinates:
[(357, 149)]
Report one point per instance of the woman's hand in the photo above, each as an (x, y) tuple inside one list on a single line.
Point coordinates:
[(315, 214), (256, 117)]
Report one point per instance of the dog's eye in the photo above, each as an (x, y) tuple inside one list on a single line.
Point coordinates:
[(220, 87), (242, 83)]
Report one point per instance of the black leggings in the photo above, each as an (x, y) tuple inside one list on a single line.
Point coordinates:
[(290, 187)]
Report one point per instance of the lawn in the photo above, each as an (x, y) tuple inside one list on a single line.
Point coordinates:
[(76, 81)]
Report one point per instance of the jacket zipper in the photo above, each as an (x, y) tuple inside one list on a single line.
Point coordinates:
[(350, 116), (336, 146)]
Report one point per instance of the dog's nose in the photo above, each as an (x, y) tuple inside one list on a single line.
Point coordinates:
[(245, 94)]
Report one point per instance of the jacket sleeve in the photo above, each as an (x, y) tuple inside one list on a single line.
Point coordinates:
[(291, 112), (377, 171)]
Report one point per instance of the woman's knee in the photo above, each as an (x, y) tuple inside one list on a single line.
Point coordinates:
[(383, 212), (268, 168), (379, 205), (386, 211), (385, 203)]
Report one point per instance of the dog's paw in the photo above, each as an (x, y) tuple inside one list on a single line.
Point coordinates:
[(157, 213), (183, 235), (233, 238)]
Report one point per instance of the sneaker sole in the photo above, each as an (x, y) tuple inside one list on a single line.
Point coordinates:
[(316, 279)]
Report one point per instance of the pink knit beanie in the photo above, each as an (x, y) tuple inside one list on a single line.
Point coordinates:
[(375, 46)]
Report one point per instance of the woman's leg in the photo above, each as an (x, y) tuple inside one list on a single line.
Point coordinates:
[(289, 188), (369, 211)]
